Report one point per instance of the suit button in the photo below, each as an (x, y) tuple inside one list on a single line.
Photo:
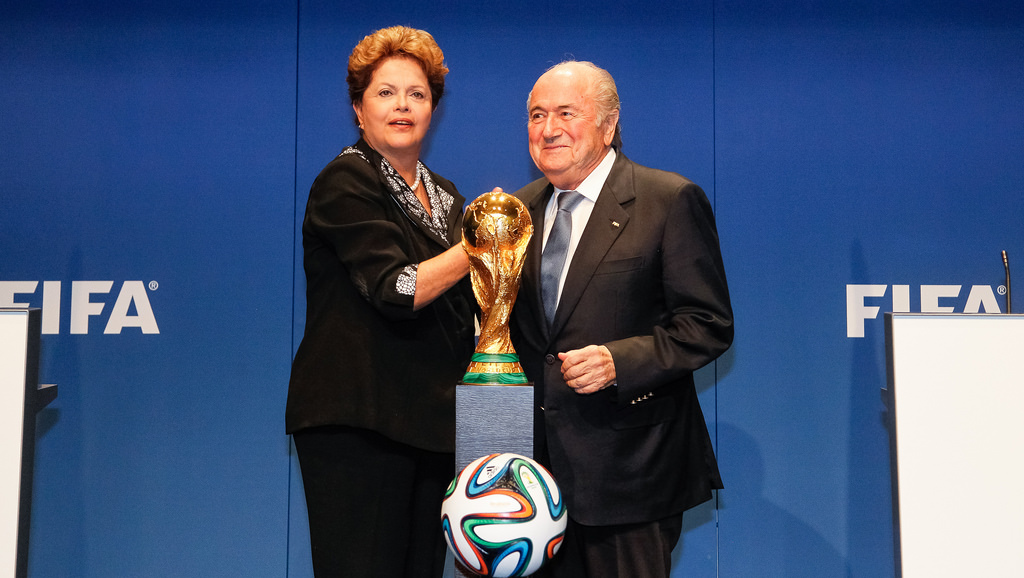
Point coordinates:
[(550, 359)]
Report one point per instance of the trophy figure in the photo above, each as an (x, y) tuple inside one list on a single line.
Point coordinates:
[(495, 233)]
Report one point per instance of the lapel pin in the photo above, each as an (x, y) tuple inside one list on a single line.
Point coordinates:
[(615, 224)]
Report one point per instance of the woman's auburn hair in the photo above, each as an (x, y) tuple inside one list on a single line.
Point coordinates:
[(400, 41)]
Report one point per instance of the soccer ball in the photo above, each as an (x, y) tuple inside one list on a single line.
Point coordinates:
[(503, 515)]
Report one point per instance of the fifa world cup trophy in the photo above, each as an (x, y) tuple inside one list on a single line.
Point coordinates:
[(495, 233)]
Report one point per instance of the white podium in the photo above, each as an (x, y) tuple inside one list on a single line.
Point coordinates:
[(20, 399), (957, 392)]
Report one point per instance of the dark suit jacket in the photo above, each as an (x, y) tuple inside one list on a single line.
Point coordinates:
[(647, 281), (367, 359)]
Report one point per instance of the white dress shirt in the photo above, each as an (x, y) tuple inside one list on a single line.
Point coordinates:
[(590, 188)]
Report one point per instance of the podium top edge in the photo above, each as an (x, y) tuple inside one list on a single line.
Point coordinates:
[(957, 315)]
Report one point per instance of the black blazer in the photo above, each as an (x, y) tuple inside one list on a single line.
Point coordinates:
[(367, 359), (647, 281)]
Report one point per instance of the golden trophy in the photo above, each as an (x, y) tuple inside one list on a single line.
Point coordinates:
[(495, 232)]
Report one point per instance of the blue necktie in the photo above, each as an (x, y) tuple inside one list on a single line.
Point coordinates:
[(553, 258)]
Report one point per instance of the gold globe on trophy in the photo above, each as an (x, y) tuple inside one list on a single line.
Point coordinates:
[(495, 232)]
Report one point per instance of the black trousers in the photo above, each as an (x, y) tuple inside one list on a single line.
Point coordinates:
[(631, 550), (374, 504)]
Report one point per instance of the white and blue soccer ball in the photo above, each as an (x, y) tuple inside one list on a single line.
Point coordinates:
[(503, 515)]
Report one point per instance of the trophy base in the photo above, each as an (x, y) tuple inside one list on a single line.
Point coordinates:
[(495, 369)]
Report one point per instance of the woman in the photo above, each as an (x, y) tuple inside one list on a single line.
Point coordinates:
[(389, 326)]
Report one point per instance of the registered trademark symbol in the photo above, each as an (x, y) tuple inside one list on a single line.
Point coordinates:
[(153, 285), (1001, 289)]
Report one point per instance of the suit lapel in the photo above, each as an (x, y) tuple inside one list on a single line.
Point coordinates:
[(607, 221)]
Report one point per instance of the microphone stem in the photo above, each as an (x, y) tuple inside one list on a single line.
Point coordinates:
[(1006, 267)]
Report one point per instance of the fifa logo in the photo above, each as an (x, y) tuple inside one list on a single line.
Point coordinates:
[(528, 478), (864, 302), (131, 308)]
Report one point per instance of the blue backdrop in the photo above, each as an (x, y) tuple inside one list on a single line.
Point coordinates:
[(155, 159)]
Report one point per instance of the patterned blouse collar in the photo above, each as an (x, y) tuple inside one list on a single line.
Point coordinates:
[(440, 200)]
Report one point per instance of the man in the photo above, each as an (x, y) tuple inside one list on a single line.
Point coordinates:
[(639, 305)]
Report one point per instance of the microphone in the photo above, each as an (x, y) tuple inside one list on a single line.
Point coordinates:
[(1006, 266)]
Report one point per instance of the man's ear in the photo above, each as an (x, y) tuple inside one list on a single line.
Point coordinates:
[(610, 122)]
